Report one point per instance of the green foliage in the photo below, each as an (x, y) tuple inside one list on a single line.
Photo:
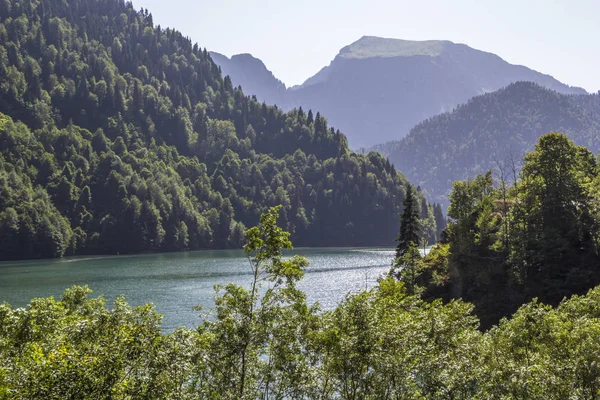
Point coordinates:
[(407, 268), (545, 353), (536, 239), (410, 228), (257, 344), (29, 221), (375, 344), (78, 348), (268, 343), (434, 272), (126, 138)]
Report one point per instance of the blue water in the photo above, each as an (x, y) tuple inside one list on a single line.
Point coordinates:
[(176, 282)]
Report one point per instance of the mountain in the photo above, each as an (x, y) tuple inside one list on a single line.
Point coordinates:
[(377, 89), (252, 74), (119, 136), (488, 129)]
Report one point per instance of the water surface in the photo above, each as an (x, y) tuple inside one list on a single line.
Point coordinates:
[(176, 282)]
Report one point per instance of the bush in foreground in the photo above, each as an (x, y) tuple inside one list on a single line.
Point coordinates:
[(377, 344)]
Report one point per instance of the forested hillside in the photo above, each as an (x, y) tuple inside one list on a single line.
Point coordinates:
[(479, 135), (510, 242), (118, 136)]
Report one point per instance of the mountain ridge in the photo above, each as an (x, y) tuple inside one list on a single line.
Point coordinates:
[(486, 130), (377, 89), (254, 73), (408, 48), (374, 46)]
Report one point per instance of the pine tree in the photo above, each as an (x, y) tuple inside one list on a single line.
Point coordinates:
[(424, 211), (440, 220), (409, 225), (408, 268), (310, 119)]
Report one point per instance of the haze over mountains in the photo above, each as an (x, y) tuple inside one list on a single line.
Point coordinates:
[(486, 130), (257, 79), (376, 89)]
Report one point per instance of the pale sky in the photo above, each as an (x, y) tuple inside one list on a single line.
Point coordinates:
[(296, 38)]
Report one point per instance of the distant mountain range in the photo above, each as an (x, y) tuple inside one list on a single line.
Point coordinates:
[(376, 89), (252, 74), (488, 128)]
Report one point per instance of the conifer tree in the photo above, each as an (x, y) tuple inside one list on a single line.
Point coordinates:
[(409, 225), (310, 119), (440, 220)]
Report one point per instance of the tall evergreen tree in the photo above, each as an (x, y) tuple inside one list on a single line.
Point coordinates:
[(440, 220), (409, 225)]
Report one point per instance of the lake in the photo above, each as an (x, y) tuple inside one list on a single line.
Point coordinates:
[(176, 282)]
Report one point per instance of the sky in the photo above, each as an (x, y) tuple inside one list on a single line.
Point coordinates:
[(296, 38)]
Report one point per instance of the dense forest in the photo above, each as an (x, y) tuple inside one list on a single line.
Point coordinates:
[(119, 136), (481, 133), (513, 240), (384, 343)]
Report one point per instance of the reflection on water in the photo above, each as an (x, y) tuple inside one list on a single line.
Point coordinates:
[(175, 282)]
